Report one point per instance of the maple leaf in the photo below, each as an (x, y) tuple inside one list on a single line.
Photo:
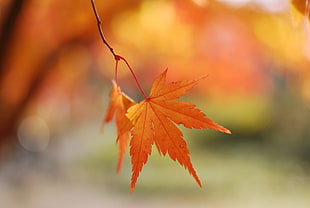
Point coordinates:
[(119, 103), (154, 122)]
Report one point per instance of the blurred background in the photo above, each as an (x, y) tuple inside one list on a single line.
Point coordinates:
[(55, 78)]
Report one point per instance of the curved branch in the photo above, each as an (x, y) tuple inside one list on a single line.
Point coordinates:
[(101, 31)]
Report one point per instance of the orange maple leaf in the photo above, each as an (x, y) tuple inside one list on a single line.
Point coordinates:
[(119, 103), (154, 121)]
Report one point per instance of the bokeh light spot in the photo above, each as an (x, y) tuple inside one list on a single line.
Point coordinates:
[(34, 134)]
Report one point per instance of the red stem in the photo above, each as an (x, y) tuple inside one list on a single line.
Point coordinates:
[(116, 71), (100, 29), (116, 57), (134, 76)]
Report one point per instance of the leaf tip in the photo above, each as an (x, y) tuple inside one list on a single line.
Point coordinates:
[(204, 76), (198, 181), (118, 168), (227, 131), (165, 72)]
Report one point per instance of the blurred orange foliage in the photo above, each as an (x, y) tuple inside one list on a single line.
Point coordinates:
[(56, 62)]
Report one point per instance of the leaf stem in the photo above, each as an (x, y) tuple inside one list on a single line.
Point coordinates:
[(101, 31), (116, 57), (134, 76), (116, 71)]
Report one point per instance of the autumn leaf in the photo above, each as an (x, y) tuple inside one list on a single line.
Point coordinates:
[(119, 103), (154, 122)]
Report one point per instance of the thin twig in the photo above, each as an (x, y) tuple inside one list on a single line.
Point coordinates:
[(116, 57), (101, 31), (134, 76), (116, 71)]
